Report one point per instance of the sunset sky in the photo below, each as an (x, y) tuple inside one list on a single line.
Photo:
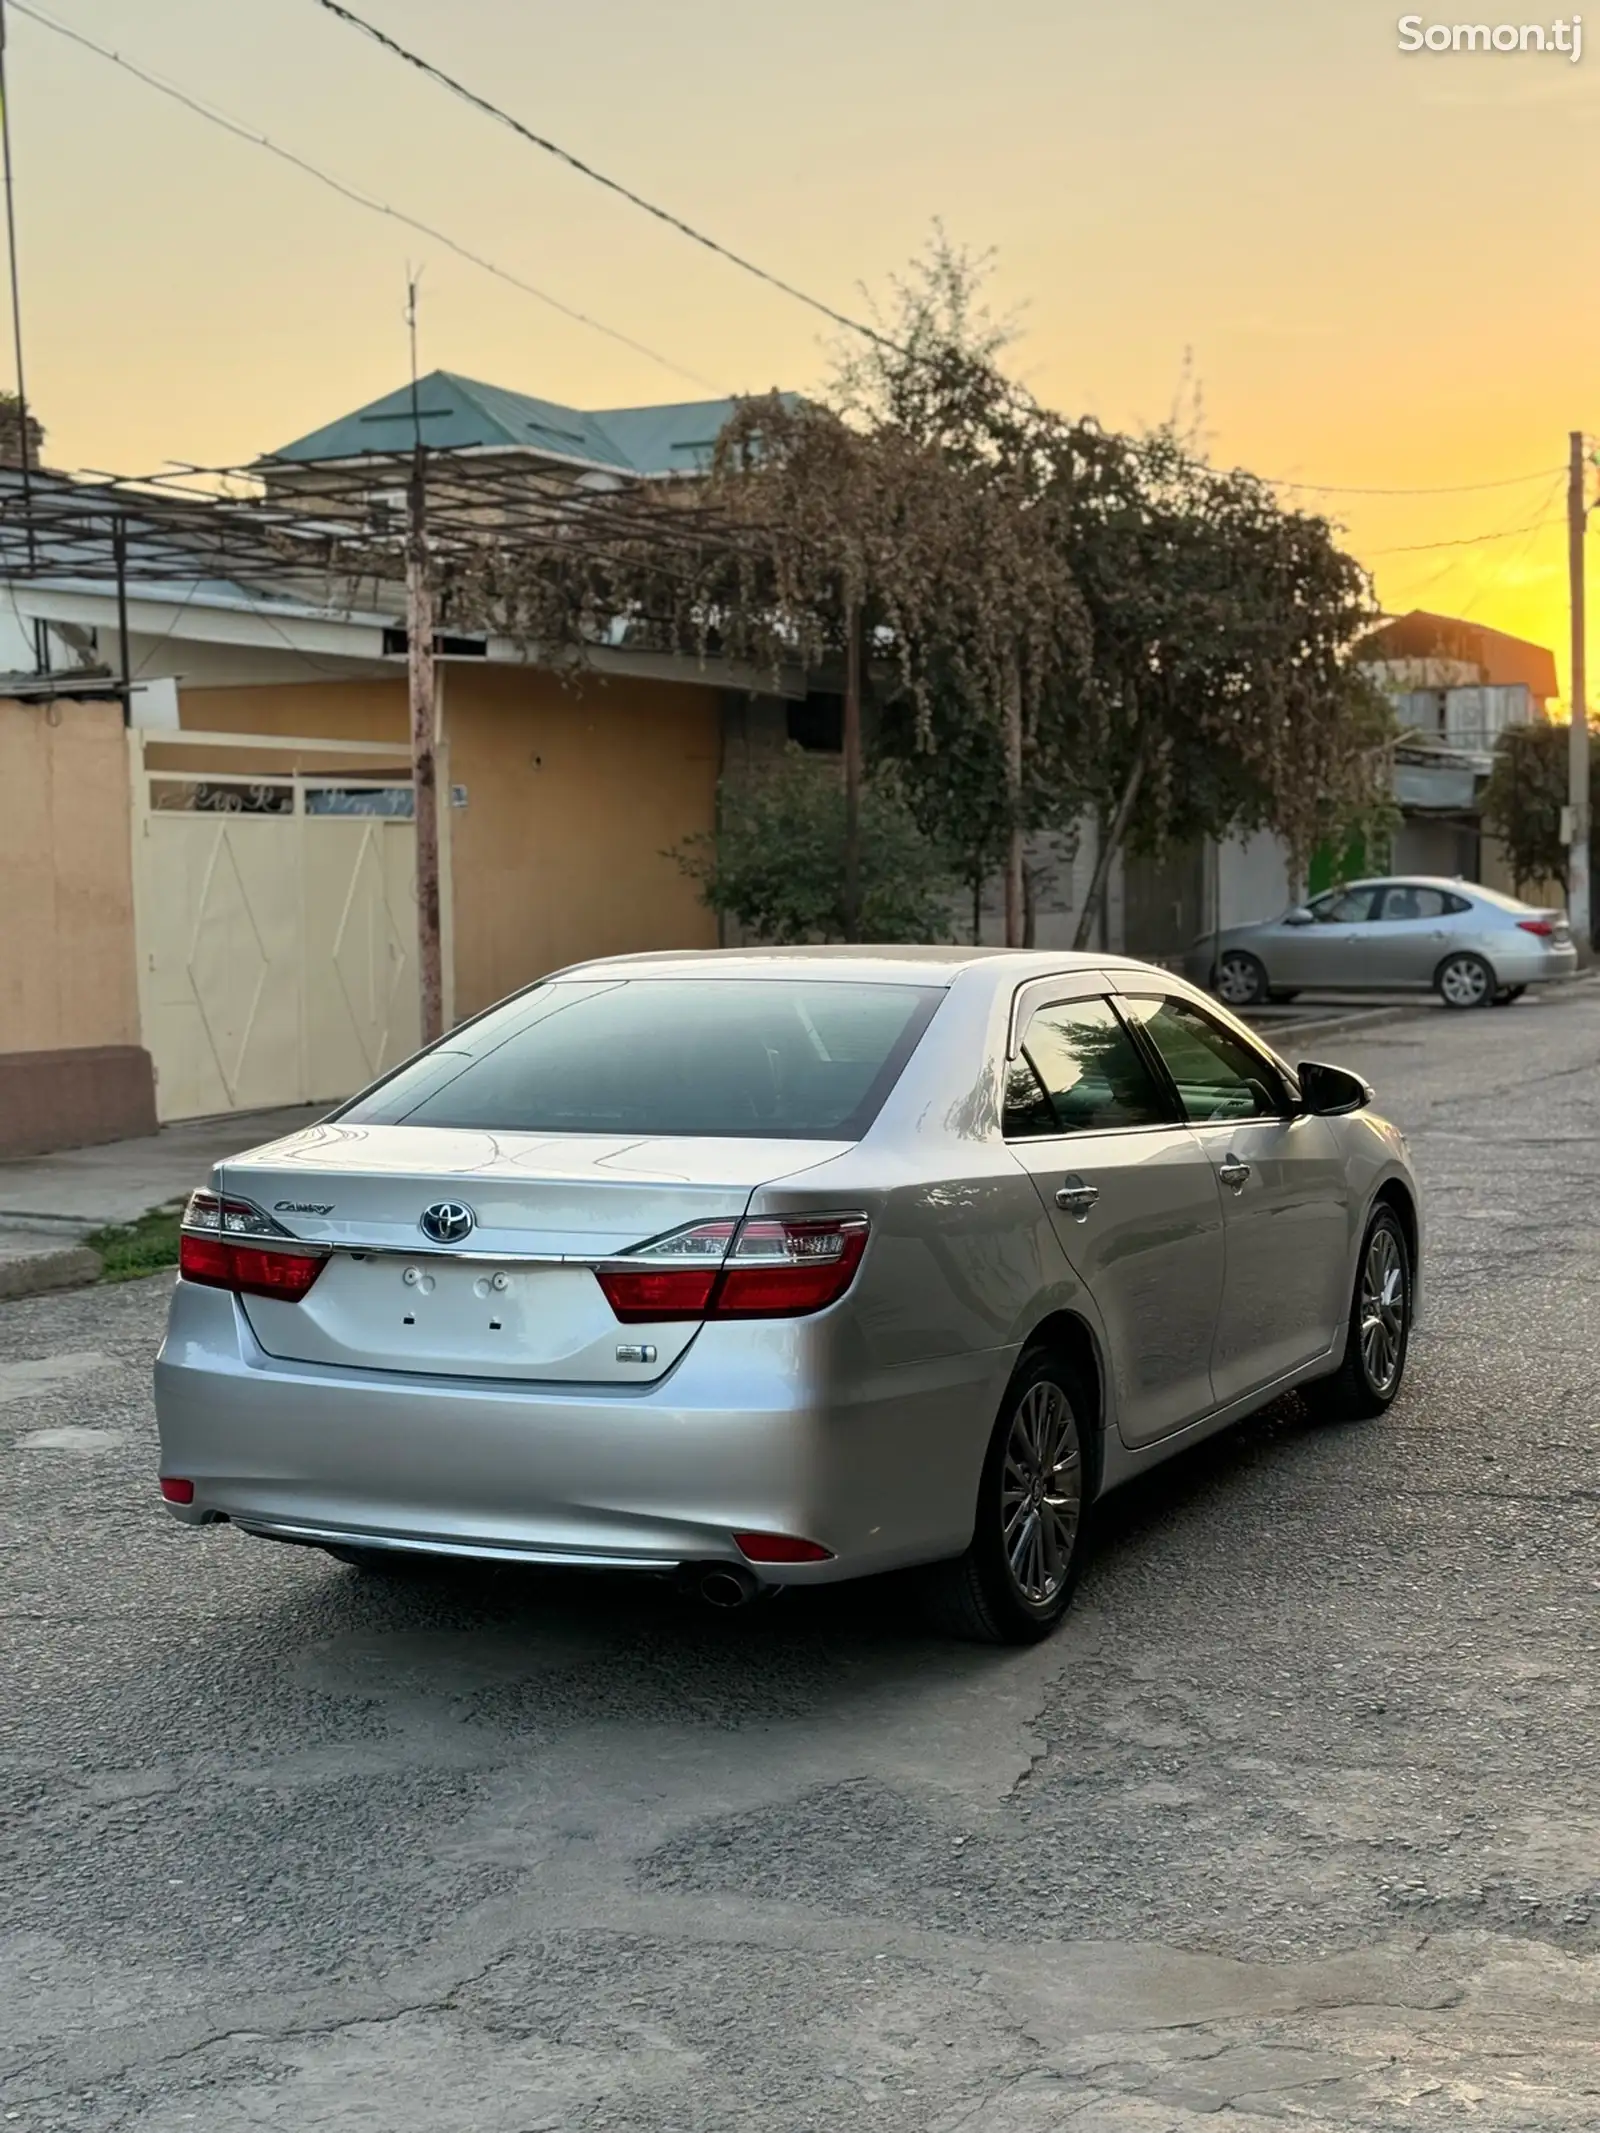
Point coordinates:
[(1382, 263)]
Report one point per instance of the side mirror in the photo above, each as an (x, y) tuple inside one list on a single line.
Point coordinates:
[(1300, 916), (1332, 1092)]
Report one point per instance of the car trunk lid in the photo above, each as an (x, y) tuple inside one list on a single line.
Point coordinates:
[(515, 1296)]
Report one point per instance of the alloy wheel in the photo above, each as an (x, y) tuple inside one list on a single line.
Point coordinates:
[(1464, 982), (1238, 981), (1383, 1309), (1041, 1492)]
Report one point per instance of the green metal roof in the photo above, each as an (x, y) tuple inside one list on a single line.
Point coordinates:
[(454, 413)]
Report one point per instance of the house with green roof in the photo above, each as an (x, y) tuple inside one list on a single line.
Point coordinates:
[(455, 414)]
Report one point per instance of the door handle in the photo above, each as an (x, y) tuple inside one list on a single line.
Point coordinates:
[(1235, 1171), (1075, 1198)]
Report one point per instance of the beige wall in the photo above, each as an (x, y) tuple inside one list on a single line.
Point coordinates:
[(573, 798), (335, 710), (67, 977)]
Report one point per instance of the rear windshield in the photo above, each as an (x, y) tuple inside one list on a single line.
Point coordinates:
[(803, 1060)]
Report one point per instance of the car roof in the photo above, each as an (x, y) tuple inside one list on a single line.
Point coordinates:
[(861, 963)]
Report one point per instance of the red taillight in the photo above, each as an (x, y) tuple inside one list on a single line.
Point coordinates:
[(783, 1267), (176, 1491), (248, 1269), (653, 1296), (1541, 926), (776, 1266), (780, 1548)]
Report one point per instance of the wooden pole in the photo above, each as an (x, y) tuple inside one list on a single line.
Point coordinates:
[(1578, 885), (24, 445), (424, 772), (1016, 902), (852, 773)]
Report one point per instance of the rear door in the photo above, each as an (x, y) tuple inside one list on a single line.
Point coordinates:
[(1281, 1177), (1134, 1200), (1414, 928)]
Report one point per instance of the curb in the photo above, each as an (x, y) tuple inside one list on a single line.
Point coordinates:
[(36, 1223), (36, 1269)]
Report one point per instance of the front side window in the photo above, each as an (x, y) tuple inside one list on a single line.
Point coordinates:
[(1218, 1075), (808, 1059), (1344, 907), (1080, 1072)]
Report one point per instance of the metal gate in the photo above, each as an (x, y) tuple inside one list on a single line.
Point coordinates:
[(276, 918)]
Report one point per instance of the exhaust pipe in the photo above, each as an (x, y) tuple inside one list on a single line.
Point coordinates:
[(725, 1585)]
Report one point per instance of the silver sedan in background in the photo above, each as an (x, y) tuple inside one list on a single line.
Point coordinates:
[(769, 1268), (1473, 946)]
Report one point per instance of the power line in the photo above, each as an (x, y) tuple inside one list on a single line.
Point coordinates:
[(243, 132), (1468, 540), (587, 170), (1502, 570), (1463, 488)]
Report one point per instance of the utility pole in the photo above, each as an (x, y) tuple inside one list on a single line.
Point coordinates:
[(851, 740), (420, 674), (1578, 885), (24, 446), (1016, 902), (424, 773)]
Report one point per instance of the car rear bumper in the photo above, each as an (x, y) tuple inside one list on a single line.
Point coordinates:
[(882, 1470), (1534, 963)]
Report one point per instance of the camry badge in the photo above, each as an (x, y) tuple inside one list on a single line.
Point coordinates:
[(447, 1222)]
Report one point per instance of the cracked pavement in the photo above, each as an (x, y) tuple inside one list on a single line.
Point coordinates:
[(1297, 1821)]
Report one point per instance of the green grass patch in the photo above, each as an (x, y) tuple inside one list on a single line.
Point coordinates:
[(129, 1249)]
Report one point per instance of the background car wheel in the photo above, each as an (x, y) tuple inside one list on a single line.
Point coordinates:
[(1464, 981), (1510, 994), (1379, 1338), (1241, 979), (1013, 1584)]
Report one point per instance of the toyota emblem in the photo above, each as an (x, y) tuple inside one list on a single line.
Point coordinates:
[(447, 1222)]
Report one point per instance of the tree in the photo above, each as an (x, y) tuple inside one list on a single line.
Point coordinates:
[(1040, 621), (772, 862), (1222, 626), (11, 433), (1214, 690), (1524, 800)]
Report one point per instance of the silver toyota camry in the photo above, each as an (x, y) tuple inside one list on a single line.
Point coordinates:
[(775, 1268)]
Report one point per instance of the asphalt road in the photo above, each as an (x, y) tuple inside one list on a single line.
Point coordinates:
[(1297, 1820)]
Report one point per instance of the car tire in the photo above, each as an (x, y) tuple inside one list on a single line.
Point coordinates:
[(1013, 1584), (1368, 1381), (1510, 995), (1241, 979), (1464, 981)]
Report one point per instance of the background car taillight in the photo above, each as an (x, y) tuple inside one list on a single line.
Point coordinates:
[(225, 1245), (775, 1266), (1541, 926)]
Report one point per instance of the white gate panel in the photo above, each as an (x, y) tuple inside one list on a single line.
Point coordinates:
[(220, 939), (362, 1006), (277, 947)]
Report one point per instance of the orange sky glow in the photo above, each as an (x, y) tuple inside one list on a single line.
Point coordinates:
[(1375, 257)]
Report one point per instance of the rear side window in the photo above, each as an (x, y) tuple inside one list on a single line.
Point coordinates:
[(1080, 1072), (1218, 1075), (1405, 902), (748, 1059)]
